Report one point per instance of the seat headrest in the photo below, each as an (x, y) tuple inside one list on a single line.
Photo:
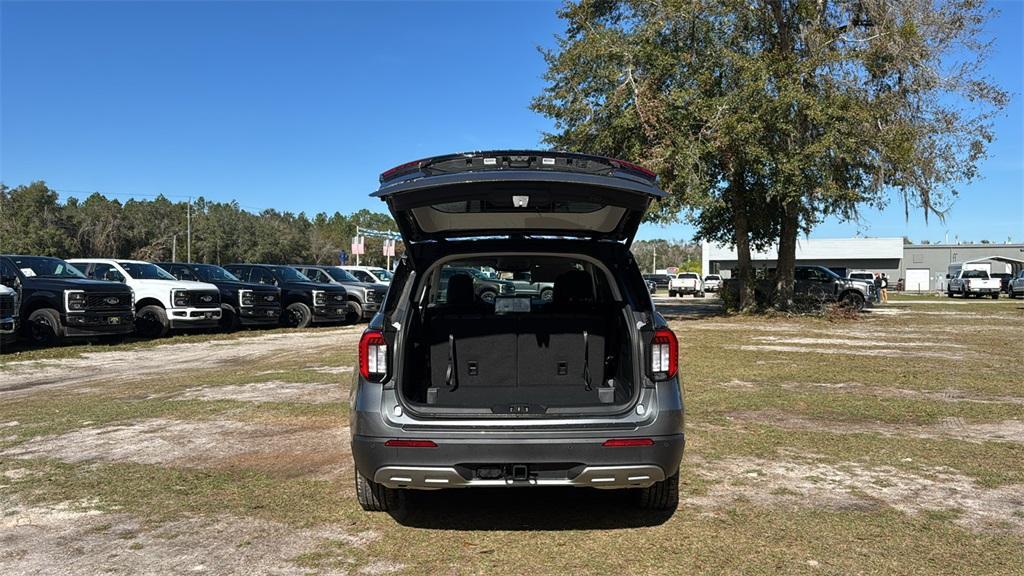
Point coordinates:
[(460, 290), (573, 288)]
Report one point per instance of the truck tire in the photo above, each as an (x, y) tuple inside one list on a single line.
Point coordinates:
[(151, 322), (488, 296), (375, 497), (229, 321), (547, 295), (297, 315), (44, 328), (853, 301), (995, 295), (1011, 293), (355, 312), (662, 495), (671, 293), (949, 292)]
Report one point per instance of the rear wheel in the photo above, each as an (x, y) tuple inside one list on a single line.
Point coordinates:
[(995, 295), (671, 293), (151, 322), (375, 497), (297, 315), (662, 495), (44, 327)]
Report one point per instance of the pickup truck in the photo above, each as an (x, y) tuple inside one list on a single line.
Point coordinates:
[(162, 302), (364, 298), (9, 302), (686, 283), (813, 285), (975, 283), (241, 303), (1016, 287), (57, 301), (305, 302), (486, 289), (712, 283)]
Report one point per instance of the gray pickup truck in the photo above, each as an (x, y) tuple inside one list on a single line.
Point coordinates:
[(814, 284)]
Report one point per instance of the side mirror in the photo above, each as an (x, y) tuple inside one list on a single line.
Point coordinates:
[(948, 276), (8, 281)]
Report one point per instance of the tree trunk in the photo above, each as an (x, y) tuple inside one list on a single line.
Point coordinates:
[(737, 200), (785, 264)]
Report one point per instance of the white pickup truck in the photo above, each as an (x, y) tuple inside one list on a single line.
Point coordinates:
[(975, 283), (162, 302), (686, 283)]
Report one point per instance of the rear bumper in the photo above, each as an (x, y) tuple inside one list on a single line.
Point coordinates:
[(474, 462)]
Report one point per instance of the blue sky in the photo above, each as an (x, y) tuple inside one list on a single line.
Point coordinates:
[(299, 106)]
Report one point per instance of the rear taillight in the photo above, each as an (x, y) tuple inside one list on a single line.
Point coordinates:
[(622, 164), (664, 354), (373, 355)]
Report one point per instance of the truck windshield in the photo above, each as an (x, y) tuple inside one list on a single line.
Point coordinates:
[(980, 274), (211, 273), (341, 275), (145, 271), (46, 267), (290, 274)]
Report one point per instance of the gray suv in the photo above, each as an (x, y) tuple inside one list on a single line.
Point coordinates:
[(578, 389)]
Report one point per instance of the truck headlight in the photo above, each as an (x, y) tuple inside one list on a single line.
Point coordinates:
[(179, 298), (245, 298), (319, 298), (74, 300), (370, 296)]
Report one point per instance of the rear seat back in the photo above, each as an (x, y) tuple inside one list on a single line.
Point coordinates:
[(556, 350)]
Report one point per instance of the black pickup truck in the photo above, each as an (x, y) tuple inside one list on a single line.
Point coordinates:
[(813, 286), (58, 301), (304, 301), (10, 301), (241, 303)]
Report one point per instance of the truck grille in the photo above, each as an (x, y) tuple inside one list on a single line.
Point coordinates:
[(265, 299), (105, 301), (6, 306), (203, 299)]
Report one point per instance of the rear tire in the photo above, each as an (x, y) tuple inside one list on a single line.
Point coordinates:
[(44, 328), (995, 296), (297, 315), (151, 322), (375, 497), (662, 495), (671, 293)]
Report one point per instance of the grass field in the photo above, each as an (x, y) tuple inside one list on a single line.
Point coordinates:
[(892, 444)]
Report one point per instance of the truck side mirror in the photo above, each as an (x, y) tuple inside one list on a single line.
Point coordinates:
[(948, 276)]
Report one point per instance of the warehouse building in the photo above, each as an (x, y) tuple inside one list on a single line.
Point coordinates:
[(922, 267)]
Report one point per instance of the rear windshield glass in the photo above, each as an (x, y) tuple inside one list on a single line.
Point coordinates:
[(688, 275), (509, 284), (975, 274)]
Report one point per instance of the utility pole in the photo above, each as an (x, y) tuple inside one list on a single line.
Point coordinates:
[(189, 230), (174, 247), (654, 265)]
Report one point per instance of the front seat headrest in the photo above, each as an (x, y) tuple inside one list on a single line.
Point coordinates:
[(460, 290)]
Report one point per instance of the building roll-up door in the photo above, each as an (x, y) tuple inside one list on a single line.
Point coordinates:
[(917, 279)]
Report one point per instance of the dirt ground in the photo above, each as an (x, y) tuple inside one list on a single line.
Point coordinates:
[(892, 444)]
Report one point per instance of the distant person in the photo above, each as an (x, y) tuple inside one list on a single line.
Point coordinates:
[(878, 287), (885, 289)]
